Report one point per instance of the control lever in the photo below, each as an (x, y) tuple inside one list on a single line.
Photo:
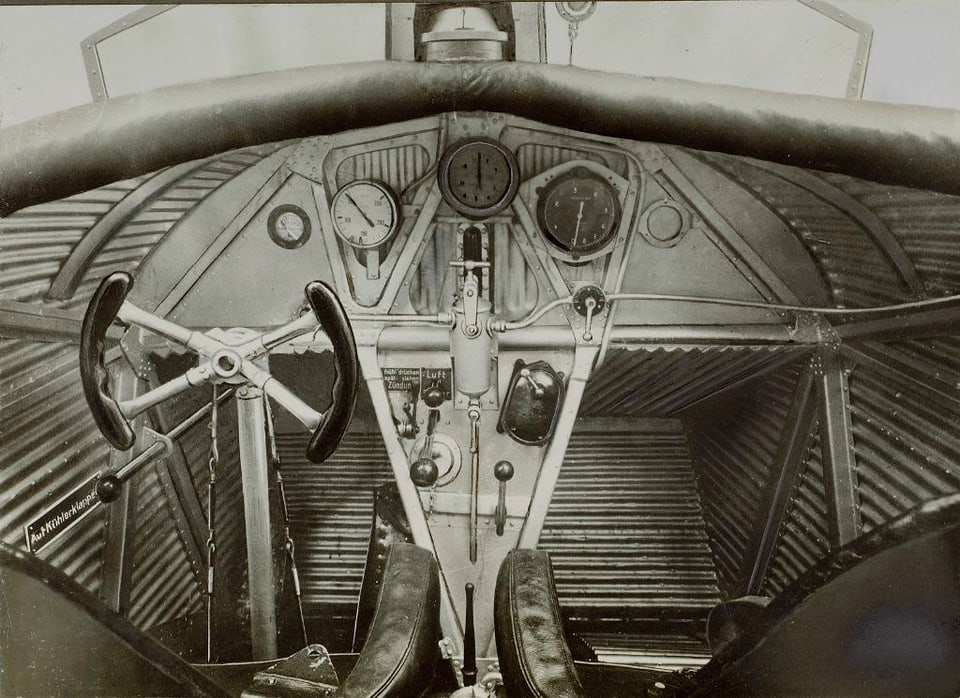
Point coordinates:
[(503, 471), (473, 412), (537, 388), (469, 670), (588, 301), (425, 471)]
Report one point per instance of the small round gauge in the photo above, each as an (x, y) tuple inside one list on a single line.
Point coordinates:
[(478, 178), (288, 226), (365, 214), (578, 212)]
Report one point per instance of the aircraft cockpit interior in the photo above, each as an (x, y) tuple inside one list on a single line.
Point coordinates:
[(430, 361)]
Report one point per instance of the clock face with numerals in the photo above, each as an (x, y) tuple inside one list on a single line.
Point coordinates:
[(478, 178), (365, 214), (578, 212)]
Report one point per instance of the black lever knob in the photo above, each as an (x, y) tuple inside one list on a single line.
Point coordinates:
[(424, 472), (433, 396)]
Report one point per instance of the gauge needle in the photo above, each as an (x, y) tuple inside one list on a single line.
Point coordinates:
[(479, 171), (369, 222), (576, 232)]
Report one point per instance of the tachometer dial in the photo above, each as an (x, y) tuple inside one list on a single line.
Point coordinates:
[(478, 178), (578, 212), (365, 214)]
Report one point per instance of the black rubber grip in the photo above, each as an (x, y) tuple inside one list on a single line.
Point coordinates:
[(100, 314), (333, 319)]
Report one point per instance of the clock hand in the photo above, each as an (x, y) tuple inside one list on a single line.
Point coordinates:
[(576, 233), (360, 210)]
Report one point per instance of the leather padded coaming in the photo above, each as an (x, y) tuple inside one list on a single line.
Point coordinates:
[(534, 657), (400, 654)]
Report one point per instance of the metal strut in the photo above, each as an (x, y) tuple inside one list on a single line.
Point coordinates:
[(288, 545)]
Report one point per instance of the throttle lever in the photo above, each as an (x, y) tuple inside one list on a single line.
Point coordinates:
[(100, 314), (333, 319)]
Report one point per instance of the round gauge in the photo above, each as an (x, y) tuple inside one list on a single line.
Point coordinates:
[(365, 214), (578, 212), (478, 178), (575, 12), (288, 226)]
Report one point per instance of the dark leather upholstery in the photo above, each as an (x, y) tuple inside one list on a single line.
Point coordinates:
[(400, 654), (879, 617), (116, 139), (534, 657), (389, 526)]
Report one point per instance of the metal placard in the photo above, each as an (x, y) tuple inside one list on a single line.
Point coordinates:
[(62, 516)]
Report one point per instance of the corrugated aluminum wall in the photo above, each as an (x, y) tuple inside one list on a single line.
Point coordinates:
[(331, 512), (856, 271), (907, 445), (734, 439), (665, 381), (925, 223), (626, 535), (50, 447), (804, 537)]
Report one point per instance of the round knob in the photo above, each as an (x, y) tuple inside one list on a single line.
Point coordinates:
[(433, 396), (108, 488), (424, 472), (503, 470)]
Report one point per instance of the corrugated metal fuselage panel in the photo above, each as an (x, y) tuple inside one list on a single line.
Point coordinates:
[(50, 447), (662, 382), (331, 513), (924, 222), (905, 426), (734, 439), (626, 534), (804, 538), (854, 267)]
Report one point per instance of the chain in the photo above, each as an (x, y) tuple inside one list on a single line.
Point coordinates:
[(212, 463), (288, 545)]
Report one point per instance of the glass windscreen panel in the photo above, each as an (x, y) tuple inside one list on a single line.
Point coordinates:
[(780, 46), (187, 43)]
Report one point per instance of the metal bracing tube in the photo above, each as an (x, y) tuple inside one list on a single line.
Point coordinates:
[(151, 453), (159, 448), (197, 341), (256, 510), (307, 416), (267, 341), (192, 378), (583, 359), (763, 305)]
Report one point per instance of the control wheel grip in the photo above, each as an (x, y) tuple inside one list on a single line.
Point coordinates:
[(101, 312), (333, 319)]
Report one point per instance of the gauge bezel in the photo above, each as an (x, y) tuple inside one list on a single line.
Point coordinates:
[(560, 249), (394, 210), (447, 190), (273, 220)]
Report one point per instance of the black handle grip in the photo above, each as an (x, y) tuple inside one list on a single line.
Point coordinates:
[(100, 314), (333, 319)]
